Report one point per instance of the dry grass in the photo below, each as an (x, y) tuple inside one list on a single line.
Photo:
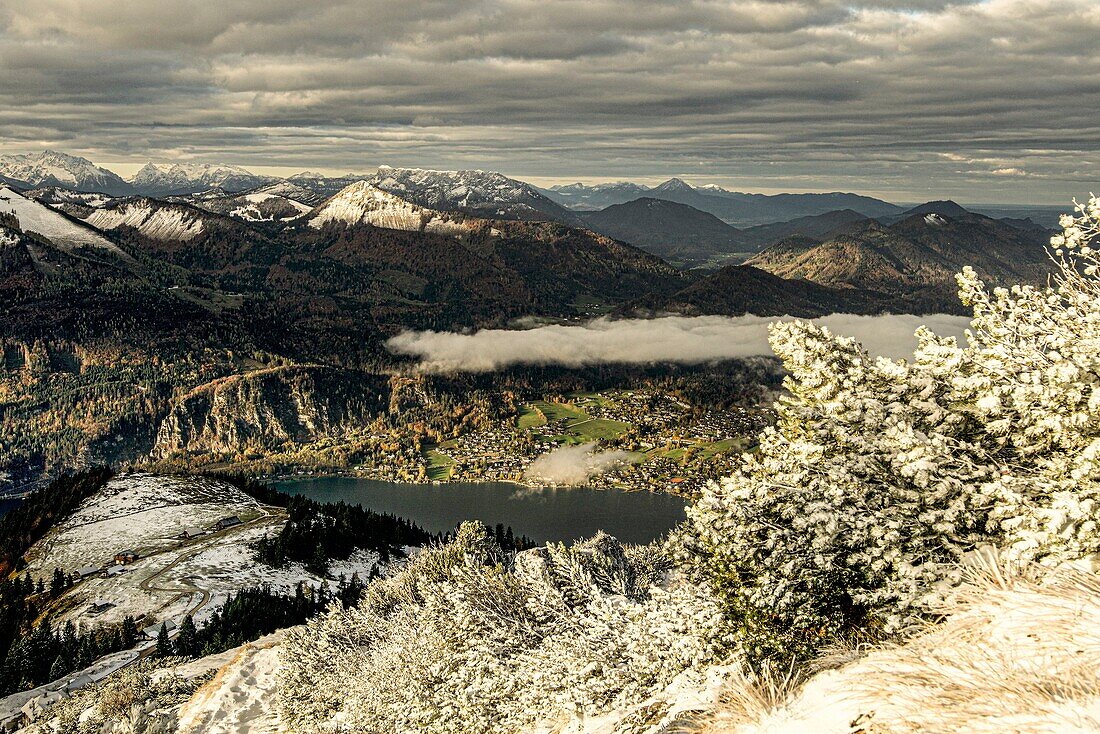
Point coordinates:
[(751, 696), (1014, 654)]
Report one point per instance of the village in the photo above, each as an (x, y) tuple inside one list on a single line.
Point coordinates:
[(669, 445)]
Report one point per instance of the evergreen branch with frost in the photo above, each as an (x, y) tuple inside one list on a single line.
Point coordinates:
[(466, 639), (879, 475)]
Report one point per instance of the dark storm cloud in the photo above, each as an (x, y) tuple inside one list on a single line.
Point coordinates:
[(985, 100)]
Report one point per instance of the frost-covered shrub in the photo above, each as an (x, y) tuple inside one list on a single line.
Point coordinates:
[(143, 698), (467, 639), (880, 475)]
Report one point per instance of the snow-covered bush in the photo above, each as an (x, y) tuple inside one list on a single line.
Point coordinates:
[(467, 639), (880, 475), (143, 698)]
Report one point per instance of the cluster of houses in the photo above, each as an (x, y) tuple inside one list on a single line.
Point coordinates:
[(19, 709)]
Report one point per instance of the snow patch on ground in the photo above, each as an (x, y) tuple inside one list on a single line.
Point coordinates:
[(241, 697)]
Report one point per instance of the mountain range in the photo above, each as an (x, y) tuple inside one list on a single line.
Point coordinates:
[(50, 168), (136, 307), (259, 235), (733, 207)]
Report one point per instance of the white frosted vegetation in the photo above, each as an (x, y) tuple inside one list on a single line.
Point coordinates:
[(880, 476), (467, 640)]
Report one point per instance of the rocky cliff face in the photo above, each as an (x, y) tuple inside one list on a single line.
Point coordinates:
[(268, 408)]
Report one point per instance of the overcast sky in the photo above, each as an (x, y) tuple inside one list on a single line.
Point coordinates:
[(993, 101)]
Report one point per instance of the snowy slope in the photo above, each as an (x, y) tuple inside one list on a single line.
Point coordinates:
[(63, 232), (289, 190), (362, 203), (50, 168), (57, 197), (278, 202), (153, 219), (241, 697), (174, 576), (265, 207)]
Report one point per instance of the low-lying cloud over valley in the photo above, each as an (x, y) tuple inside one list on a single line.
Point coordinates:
[(572, 466), (678, 339)]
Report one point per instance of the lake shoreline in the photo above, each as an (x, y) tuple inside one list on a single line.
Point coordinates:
[(543, 514)]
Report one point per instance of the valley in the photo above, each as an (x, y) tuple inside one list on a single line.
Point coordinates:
[(209, 318), (243, 416)]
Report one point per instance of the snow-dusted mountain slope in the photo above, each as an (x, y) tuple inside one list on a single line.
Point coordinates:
[(281, 201), (263, 207), (187, 178), (154, 219), (173, 575), (291, 190), (484, 193), (50, 168), (324, 186), (59, 229), (57, 196), (362, 203)]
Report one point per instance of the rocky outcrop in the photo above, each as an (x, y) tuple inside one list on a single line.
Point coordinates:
[(268, 408)]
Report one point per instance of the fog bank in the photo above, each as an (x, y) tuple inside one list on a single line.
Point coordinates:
[(679, 339), (572, 465)]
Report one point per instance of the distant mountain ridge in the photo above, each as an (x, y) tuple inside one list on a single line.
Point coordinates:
[(916, 256), (189, 178), (50, 168), (676, 232), (482, 193), (733, 207)]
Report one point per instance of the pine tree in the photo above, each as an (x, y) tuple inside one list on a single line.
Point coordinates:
[(318, 562), (186, 639), (164, 645), (129, 632), (57, 583), (59, 669)]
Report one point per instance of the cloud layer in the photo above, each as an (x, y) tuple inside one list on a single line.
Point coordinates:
[(678, 339), (910, 98)]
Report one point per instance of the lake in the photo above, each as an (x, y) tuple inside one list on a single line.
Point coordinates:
[(542, 515)]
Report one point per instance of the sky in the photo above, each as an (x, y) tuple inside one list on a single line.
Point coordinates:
[(986, 102)]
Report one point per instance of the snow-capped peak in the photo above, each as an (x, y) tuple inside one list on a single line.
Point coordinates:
[(186, 178), (51, 168), (364, 203), (485, 193), (673, 184)]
